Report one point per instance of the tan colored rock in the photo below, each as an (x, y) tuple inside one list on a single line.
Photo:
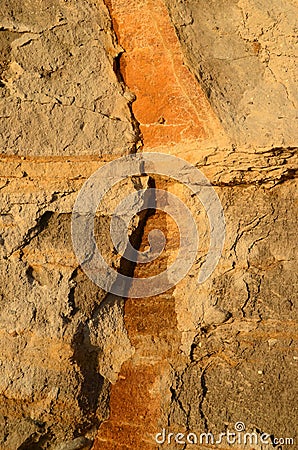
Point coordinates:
[(244, 54), (256, 180), (80, 367), (60, 94), (56, 339)]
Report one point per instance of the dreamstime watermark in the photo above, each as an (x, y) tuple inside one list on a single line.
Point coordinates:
[(103, 180), (238, 436)]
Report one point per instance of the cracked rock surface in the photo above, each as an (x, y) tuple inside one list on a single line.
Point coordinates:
[(59, 91), (82, 83), (244, 53)]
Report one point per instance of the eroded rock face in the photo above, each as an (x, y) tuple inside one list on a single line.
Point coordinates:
[(60, 333), (244, 54), (60, 94), (233, 343), (80, 368)]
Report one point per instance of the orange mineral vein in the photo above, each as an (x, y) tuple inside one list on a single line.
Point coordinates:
[(171, 109), (170, 105)]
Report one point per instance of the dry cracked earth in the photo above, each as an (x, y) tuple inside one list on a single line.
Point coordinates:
[(83, 83)]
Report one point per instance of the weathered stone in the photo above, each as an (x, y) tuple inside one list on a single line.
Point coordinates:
[(61, 94), (244, 54), (56, 339), (79, 366), (256, 180), (76, 444)]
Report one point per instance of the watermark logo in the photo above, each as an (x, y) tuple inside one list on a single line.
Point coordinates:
[(92, 194), (239, 426), (236, 437)]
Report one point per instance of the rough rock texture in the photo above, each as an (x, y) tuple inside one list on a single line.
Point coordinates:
[(60, 333), (81, 84), (60, 96), (244, 54), (230, 354), (60, 93)]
